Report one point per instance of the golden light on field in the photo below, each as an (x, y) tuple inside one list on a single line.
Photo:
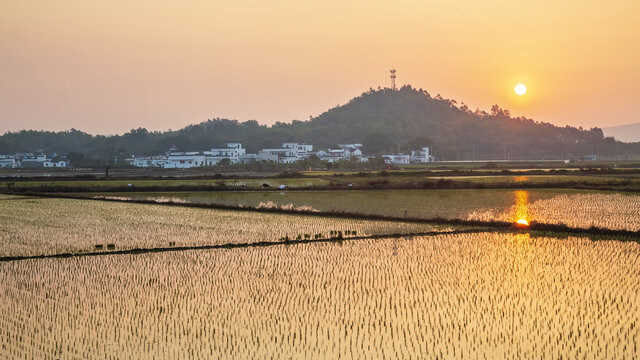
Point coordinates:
[(521, 208), (520, 89), (443, 295), (199, 304)]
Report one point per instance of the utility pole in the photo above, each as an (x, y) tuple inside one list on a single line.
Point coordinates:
[(393, 78)]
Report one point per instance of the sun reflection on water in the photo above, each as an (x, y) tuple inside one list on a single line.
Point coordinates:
[(521, 209)]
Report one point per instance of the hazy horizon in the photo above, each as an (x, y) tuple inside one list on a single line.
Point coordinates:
[(133, 126), (109, 67)]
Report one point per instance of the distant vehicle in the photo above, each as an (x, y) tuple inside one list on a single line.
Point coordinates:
[(281, 187)]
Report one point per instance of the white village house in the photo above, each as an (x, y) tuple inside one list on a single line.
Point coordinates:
[(57, 163), (397, 159), (183, 160), (29, 160), (289, 153), (344, 152), (34, 161), (234, 152), (149, 161), (421, 156), (8, 161)]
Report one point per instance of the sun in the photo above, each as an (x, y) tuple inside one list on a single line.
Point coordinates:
[(520, 89)]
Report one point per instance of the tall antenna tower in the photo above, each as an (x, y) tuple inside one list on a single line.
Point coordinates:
[(393, 78)]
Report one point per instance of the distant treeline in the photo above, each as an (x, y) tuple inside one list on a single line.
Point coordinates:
[(382, 120)]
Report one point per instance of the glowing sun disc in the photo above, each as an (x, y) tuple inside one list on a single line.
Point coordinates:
[(520, 89), (522, 222)]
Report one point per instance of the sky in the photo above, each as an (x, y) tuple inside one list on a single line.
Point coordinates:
[(106, 67)]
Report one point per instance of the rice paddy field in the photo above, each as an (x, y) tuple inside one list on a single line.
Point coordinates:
[(576, 208), (444, 294), (471, 296), (35, 226)]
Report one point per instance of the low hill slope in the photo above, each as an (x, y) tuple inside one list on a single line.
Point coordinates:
[(383, 120)]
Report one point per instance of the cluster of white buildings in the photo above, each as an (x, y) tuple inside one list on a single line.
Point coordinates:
[(29, 160), (289, 153), (421, 156), (234, 153)]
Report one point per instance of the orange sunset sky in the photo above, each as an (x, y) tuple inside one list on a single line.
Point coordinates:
[(109, 66)]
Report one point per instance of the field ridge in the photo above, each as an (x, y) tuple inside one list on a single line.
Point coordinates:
[(137, 251)]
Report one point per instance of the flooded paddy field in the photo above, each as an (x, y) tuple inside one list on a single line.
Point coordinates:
[(577, 208)]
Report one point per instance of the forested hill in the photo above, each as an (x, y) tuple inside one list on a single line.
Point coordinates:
[(383, 120)]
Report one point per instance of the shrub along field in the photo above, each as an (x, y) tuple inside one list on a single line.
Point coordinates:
[(470, 296), (35, 226), (431, 179), (577, 208), (106, 184)]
